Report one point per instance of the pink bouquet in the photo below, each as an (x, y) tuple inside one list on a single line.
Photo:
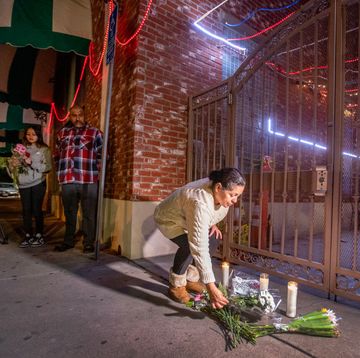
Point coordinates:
[(19, 162), (21, 151)]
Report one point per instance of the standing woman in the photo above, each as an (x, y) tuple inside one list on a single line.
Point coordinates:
[(31, 167), (188, 217)]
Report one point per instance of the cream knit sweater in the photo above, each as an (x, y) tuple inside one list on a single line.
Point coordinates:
[(191, 209)]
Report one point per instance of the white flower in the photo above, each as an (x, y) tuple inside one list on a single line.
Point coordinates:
[(332, 316), (267, 301)]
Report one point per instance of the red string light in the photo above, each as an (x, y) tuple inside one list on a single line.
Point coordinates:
[(262, 31), (139, 28), (292, 73), (90, 59), (94, 71), (53, 108), (307, 69)]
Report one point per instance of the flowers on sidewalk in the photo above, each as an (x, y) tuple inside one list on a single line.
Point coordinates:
[(236, 329)]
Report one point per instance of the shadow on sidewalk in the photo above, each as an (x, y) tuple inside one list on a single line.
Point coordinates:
[(112, 272)]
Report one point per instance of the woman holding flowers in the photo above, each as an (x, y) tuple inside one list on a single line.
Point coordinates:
[(188, 217), (29, 164)]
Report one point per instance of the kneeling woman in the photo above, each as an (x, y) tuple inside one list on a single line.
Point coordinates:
[(188, 217)]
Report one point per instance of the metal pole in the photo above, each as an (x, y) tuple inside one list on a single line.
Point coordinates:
[(100, 207)]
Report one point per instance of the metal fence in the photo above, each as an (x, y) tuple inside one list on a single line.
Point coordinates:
[(288, 118)]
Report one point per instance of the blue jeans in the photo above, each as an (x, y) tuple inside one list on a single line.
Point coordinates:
[(31, 200), (87, 195), (183, 257)]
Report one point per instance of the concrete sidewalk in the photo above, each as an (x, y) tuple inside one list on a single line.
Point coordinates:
[(68, 305)]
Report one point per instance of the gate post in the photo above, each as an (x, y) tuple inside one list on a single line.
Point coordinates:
[(259, 222), (230, 161)]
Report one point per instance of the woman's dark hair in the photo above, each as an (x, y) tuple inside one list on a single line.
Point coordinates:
[(40, 141), (227, 177)]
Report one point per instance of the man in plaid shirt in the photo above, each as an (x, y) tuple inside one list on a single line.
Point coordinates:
[(77, 158)]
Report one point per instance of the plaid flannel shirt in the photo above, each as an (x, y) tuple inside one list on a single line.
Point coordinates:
[(77, 154)]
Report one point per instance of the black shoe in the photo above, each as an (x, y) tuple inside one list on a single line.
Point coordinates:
[(37, 241), (27, 242), (63, 247), (88, 249)]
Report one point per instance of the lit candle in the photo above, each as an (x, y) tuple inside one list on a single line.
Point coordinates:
[(225, 274), (264, 282), (291, 299)]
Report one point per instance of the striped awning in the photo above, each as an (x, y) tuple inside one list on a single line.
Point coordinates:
[(14, 117), (64, 25), (27, 76), (8, 139)]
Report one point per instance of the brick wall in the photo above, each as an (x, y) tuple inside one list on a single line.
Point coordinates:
[(153, 77)]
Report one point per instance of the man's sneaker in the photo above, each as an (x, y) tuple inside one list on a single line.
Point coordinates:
[(27, 242), (37, 241)]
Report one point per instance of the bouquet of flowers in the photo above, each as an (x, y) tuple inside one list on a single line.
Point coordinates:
[(237, 330), (19, 161)]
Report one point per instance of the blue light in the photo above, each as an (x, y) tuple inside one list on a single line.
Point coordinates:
[(252, 14)]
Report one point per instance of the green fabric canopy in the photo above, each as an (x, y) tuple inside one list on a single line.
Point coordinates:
[(30, 31), (64, 25), (14, 117)]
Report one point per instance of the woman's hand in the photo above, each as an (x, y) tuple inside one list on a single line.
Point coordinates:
[(28, 160), (218, 300), (215, 230)]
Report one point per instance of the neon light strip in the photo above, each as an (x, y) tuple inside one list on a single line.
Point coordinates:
[(253, 13), (295, 139), (210, 11), (219, 37), (262, 31), (196, 23), (304, 141)]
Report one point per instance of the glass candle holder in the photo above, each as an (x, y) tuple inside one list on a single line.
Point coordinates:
[(264, 281), (291, 299), (225, 267)]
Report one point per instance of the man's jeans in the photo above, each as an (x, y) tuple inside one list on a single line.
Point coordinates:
[(85, 194)]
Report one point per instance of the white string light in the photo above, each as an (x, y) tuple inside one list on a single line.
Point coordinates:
[(304, 141)]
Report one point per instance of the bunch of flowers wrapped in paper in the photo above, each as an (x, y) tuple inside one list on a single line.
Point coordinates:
[(237, 328), (19, 162)]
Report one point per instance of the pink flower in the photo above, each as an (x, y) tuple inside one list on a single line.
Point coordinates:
[(21, 150), (198, 297)]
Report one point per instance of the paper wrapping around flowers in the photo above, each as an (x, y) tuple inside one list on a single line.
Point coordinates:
[(245, 287)]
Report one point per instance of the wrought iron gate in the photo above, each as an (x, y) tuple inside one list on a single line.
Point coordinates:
[(289, 119)]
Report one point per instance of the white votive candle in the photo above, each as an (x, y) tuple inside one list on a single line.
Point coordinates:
[(291, 299), (225, 273), (264, 281)]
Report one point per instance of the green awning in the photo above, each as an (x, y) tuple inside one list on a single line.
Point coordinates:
[(15, 118), (27, 76), (64, 25), (8, 140)]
